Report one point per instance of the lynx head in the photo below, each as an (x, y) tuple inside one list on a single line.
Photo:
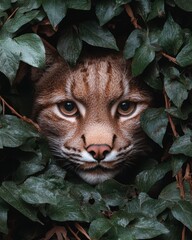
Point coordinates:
[(90, 115)]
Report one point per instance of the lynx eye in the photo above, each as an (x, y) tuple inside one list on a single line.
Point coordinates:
[(68, 108), (126, 108)]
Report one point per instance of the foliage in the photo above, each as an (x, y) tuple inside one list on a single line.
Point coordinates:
[(37, 197)]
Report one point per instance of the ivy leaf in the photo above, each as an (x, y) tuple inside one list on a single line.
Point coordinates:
[(144, 55), (93, 34), (32, 49), (10, 193), (182, 145), (144, 8), (70, 45), (182, 212), (184, 4), (157, 9), (147, 178), (184, 57), (106, 10), (80, 5), (99, 227), (154, 122), (55, 10), (9, 57), (176, 91), (14, 132), (20, 19), (36, 190), (171, 38), (146, 228), (177, 162), (132, 43), (4, 5)]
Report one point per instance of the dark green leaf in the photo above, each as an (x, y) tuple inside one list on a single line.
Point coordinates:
[(146, 228), (95, 35), (3, 217), (80, 5), (20, 19), (32, 49), (176, 91), (99, 227), (182, 145), (36, 190), (5, 4), (146, 179), (132, 43), (182, 212), (10, 193), (184, 57), (69, 45), (106, 10), (28, 5), (9, 57), (157, 9), (55, 10), (144, 55), (14, 132), (177, 162), (171, 38), (154, 122), (144, 8), (184, 4), (172, 194), (122, 2), (180, 113)]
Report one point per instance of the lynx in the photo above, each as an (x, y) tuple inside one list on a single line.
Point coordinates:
[(90, 115)]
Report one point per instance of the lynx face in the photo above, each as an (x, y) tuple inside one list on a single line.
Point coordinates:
[(91, 115)]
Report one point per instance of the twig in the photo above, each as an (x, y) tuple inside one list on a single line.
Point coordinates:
[(74, 234), (82, 230), (179, 178), (183, 233), (28, 120), (12, 14), (171, 59), (131, 15)]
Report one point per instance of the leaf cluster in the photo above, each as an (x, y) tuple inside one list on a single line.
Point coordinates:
[(156, 35)]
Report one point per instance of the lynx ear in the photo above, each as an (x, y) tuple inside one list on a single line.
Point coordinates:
[(52, 58)]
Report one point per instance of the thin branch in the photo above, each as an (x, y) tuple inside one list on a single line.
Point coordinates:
[(183, 233), (74, 234), (170, 58), (131, 15), (12, 14), (82, 230), (179, 178), (28, 120)]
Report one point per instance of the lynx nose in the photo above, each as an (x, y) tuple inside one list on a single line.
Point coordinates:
[(99, 151)]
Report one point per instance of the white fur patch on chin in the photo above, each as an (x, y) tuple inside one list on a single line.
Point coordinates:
[(95, 178)]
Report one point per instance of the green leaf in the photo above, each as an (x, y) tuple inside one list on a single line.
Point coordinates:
[(157, 9), (36, 190), (146, 228), (80, 5), (70, 45), (184, 57), (20, 19), (32, 49), (184, 4), (182, 145), (144, 55), (14, 132), (93, 34), (154, 122), (106, 10), (99, 227), (181, 113), (9, 57), (176, 91), (144, 8), (171, 38), (10, 193), (3, 217), (55, 10), (182, 212), (28, 5), (132, 43), (4, 5), (177, 162), (147, 178)]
